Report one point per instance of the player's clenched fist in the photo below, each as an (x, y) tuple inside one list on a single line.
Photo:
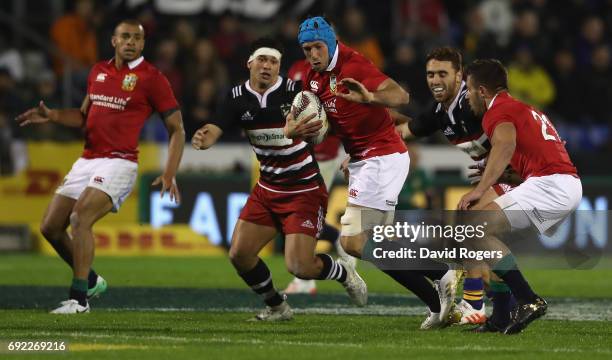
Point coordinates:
[(202, 139), (304, 129)]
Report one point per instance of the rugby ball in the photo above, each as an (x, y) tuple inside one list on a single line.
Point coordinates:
[(306, 103)]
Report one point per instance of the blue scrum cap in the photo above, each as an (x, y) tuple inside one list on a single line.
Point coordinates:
[(317, 29)]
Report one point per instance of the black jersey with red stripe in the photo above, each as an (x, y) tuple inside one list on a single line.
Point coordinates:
[(459, 124), (285, 164)]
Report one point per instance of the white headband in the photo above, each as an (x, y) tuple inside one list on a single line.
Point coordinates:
[(265, 51)]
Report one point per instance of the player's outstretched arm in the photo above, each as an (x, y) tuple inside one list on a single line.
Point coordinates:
[(42, 114), (388, 93), (174, 123), (206, 136)]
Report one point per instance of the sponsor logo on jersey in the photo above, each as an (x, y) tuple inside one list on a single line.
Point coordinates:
[(129, 82), (391, 202), (353, 193), (314, 86), (246, 116), (330, 105), (448, 131), (111, 102), (308, 224), (332, 83), (268, 137), (99, 180), (101, 77), (285, 109)]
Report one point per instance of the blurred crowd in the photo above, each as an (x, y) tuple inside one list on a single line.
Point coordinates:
[(557, 53)]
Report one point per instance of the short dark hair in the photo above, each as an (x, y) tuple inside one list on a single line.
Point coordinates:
[(446, 53), (266, 42), (128, 22), (489, 73)]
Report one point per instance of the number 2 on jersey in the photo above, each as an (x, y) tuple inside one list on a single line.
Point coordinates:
[(545, 125)]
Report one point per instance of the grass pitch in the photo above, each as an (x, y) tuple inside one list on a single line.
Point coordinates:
[(186, 308)]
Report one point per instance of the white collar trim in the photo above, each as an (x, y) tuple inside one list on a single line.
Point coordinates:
[(452, 106), (332, 63), (492, 100), (132, 64), (263, 99)]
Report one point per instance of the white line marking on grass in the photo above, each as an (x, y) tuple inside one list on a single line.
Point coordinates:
[(406, 345), (198, 340), (567, 310), (474, 347), (77, 334), (281, 342)]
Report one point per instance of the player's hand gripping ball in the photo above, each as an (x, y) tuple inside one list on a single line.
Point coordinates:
[(304, 105)]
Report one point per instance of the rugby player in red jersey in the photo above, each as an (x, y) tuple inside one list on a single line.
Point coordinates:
[(356, 96), (290, 195), (526, 139), (121, 95), (452, 115)]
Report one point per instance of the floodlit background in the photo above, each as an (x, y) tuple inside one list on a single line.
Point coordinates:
[(557, 53), (172, 291)]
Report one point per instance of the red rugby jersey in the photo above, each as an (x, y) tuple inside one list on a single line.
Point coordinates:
[(121, 102), (365, 130), (539, 150)]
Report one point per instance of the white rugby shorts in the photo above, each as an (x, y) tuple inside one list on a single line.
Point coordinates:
[(543, 202), (115, 177), (377, 181)]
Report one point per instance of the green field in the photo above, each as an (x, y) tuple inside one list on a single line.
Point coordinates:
[(187, 308)]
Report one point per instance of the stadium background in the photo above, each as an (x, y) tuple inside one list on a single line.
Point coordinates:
[(557, 52), (558, 59)]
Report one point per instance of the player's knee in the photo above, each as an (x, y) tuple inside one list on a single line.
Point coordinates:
[(234, 256), (351, 231), (51, 232), (239, 258), (75, 221), (492, 222), (351, 222)]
